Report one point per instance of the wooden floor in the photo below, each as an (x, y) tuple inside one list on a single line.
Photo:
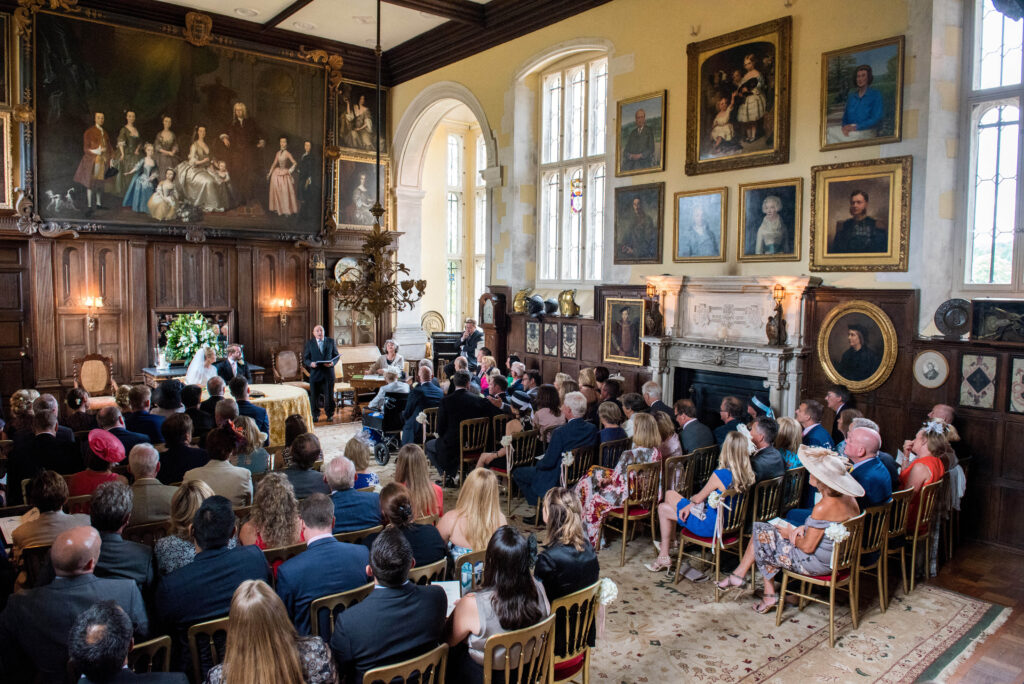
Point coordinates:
[(996, 575)]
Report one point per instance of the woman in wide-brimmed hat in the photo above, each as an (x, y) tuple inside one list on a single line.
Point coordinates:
[(805, 549)]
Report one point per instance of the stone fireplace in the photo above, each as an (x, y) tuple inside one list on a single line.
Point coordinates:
[(717, 324)]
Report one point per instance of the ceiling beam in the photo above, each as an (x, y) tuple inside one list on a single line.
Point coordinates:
[(462, 11), (285, 13)]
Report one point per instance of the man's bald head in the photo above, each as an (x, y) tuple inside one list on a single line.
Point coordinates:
[(943, 412), (865, 442), (75, 551)]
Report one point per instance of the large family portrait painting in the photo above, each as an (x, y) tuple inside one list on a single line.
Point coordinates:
[(141, 128)]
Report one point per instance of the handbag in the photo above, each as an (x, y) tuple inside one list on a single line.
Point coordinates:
[(699, 510)]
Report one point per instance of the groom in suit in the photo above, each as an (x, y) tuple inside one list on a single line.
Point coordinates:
[(233, 365), (318, 358)]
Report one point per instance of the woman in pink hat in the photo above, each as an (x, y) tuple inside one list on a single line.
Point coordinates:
[(105, 451)]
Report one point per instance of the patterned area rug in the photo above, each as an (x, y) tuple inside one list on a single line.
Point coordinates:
[(660, 632)]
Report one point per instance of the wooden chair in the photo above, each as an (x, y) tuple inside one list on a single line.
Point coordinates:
[(582, 459), (151, 656), (283, 553), (896, 541), (524, 652), (843, 576), (427, 520), (472, 442), (428, 574), (793, 484), (328, 607), (641, 500), (147, 533), (498, 423), (11, 511), (475, 560), (574, 620), (874, 541), (430, 427), (288, 368), (611, 451), (704, 461), (732, 528), (426, 669), (242, 513), (522, 452), (355, 536), (207, 638), (33, 560), (276, 458), (919, 532), (767, 494), (78, 504), (94, 373)]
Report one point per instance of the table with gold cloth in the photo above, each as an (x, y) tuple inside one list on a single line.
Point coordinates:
[(280, 402)]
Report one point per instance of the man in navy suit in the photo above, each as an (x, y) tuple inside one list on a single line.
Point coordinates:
[(862, 449), (110, 419), (733, 412), (535, 481), (318, 357), (180, 456), (693, 434), (808, 414), (202, 590), (215, 388), (838, 398), (240, 391), (423, 396), (44, 451), (140, 419), (397, 621), (460, 405), (353, 510), (652, 397), (234, 365), (305, 480), (327, 566)]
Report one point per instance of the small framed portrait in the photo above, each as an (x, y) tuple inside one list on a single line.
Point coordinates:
[(737, 107), (862, 94), (532, 337), (699, 225), (978, 380), (857, 346), (931, 369), (356, 183), (860, 215), (998, 321), (770, 216), (640, 138), (358, 118), (623, 328), (569, 346), (550, 339), (1016, 400), (638, 223)]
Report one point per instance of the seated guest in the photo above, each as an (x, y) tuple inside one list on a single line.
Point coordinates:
[(927, 458), (305, 452), (202, 589), (274, 519), (98, 647), (651, 392), (486, 364), (632, 404), (231, 482), (733, 472), (588, 386), (423, 396), (458, 406), (169, 399), (788, 441), (509, 598), (105, 451), (611, 419), (21, 414), (294, 425), (862, 447), (758, 406), (226, 410), (547, 413), (263, 645), (693, 433), (389, 359), (561, 379), (534, 481), (611, 390), (946, 414), (122, 397), (42, 451), (251, 455), (733, 412), (178, 548), (396, 508), (326, 567), (391, 384), (497, 392), (808, 414), (413, 471), (767, 462), (517, 369), (460, 364), (180, 456), (47, 402), (839, 399), (358, 451), (804, 549), (239, 388), (35, 624), (532, 380), (214, 388), (887, 460), (521, 419), (670, 445), (109, 511), (78, 417), (353, 510), (202, 422), (397, 621), (842, 428), (151, 499), (48, 493), (603, 489), (140, 419), (110, 419), (477, 514)]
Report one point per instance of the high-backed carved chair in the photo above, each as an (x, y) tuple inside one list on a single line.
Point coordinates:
[(94, 373), (288, 368)]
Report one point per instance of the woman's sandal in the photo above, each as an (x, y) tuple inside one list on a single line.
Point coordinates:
[(732, 581), (660, 563), (764, 606)]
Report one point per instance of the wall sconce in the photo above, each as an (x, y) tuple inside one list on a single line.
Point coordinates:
[(317, 270), (778, 294), (652, 290), (775, 329), (282, 305), (92, 303)]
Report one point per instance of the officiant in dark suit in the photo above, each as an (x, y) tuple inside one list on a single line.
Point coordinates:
[(318, 357), (233, 365)]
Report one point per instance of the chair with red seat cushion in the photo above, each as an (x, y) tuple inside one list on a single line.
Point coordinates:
[(732, 511), (574, 619), (642, 496)]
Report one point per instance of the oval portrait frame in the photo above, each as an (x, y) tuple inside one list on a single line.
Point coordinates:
[(879, 318), (930, 354)]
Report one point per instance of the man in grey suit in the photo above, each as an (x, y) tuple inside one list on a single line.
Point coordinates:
[(110, 509), (694, 434), (34, 626), (151, 499), (305, 480)]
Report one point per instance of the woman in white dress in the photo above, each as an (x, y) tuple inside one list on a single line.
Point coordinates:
[(196, 178), (201, 368)]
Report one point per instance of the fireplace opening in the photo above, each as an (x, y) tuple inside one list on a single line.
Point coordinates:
[(707, 389)]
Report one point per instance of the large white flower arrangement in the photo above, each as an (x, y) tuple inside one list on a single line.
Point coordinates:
[(186, 334)]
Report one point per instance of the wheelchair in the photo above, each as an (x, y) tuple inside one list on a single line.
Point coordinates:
[(386, 428)]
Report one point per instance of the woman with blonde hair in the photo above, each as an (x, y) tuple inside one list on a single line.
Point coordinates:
[(178, 548), (264, 648), (670, 445), (358, 451), (251, 455), (21, 412), (601, 489), (476, 516), (566, 387), (487, 364), (561, 379), (412, 470), (788, 440), (274, 520), (588, 385), (930, 457), (734, 471)]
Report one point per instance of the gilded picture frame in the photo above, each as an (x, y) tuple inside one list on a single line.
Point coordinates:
[(355, 180), (623, 331), (880, 65), (354, 136), (638, 224), (7, 70), (860, 215), (700, 207), (642, 156), (749, 71), (757, 231), (857, 346), (7, 159)]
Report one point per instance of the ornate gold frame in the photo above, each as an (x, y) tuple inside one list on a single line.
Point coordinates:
[(663, 94), (723, 193), (9, 172), (889, 345), (798, 218), (898, 170), (607, 356), (385, 189)]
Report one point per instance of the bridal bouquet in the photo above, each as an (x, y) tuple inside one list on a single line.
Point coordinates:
[(186, 334)]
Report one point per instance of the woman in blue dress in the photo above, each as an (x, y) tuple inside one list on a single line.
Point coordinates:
[(694, 514), (144, 175)]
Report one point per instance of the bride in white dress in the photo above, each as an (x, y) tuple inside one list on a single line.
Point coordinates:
[(201, 368)]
